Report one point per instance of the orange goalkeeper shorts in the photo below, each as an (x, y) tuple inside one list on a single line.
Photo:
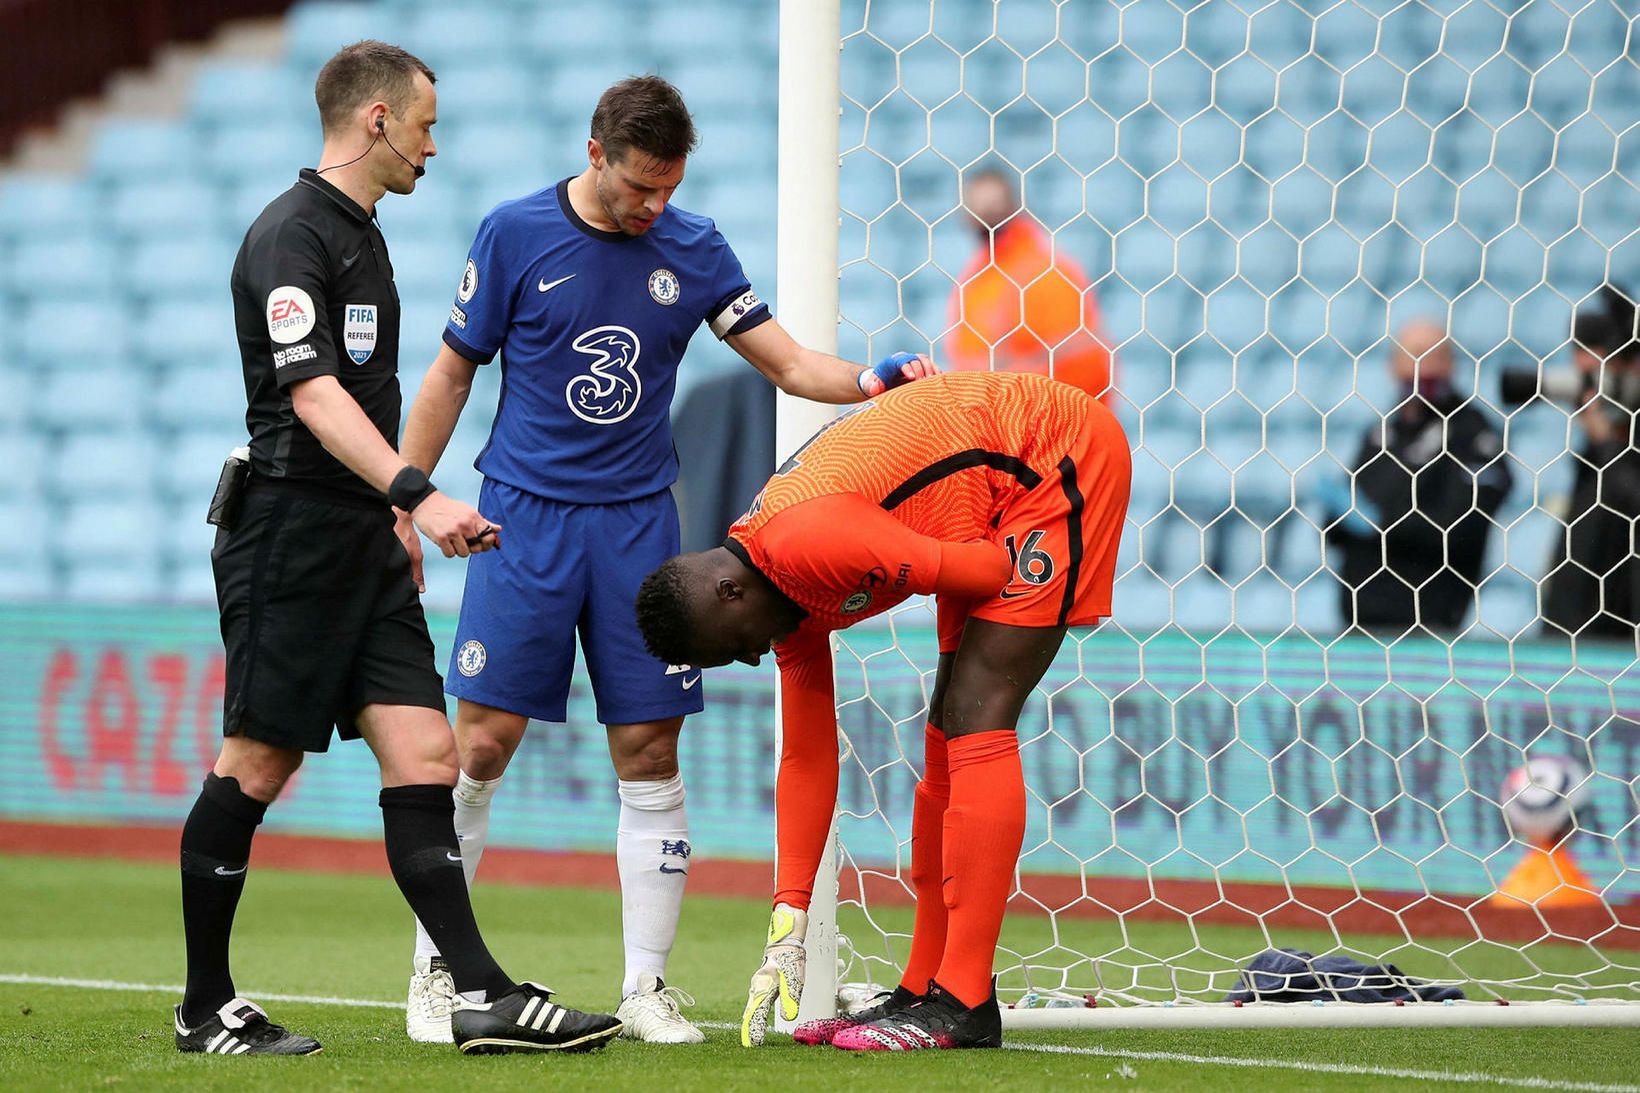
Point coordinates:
[(1063, 537)]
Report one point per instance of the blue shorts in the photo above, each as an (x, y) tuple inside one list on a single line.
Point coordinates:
[(565, 568)]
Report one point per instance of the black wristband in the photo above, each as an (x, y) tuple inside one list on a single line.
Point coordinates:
[(410, 488)]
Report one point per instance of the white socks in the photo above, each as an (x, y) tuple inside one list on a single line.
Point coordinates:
[(472, 828), (652, 854)]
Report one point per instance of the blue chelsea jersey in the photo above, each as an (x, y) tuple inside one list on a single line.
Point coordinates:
[(590, 326)]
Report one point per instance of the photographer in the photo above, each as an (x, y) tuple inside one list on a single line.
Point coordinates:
[(1413, 535), (1593, 586)]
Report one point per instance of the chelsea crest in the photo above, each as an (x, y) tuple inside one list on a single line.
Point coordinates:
[(663, 287)]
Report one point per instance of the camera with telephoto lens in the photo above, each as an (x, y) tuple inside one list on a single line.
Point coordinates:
[(1606, 329)]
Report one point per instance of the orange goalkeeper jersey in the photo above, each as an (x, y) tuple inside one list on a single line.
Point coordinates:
[(844, 527)]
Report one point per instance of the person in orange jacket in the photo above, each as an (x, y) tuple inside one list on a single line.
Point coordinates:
[(1019, 306)]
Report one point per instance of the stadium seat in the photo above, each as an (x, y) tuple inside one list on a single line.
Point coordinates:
[(447, 36), (223, 89), (102, 464), (161, 209), (316, 29), (187, 328), (284, 144), (24, 456), (106, 395), (128, 148), (62, 267), (189, 267), (69, 334), (205, 393), (42, 204)]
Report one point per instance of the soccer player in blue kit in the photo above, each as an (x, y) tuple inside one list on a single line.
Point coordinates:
[(590, 290)]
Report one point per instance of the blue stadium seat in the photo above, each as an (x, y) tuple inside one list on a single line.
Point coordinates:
[(316, 29), (62, 267), (1144, 255), (223, 90), (70, 334), (281, 148), (166, 267), (1235, 316), (141, 208), (202, 393), (188, 329), (1514, 262), (127, 148), (101, 395), (447, 36), (243, 201), (26, 571), (41, 204), (24, 455), (101, 464), (479, 91), (473, 149), (426, 265)]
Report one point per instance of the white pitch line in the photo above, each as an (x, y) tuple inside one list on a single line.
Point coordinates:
[(174, 988), (1471, 1078)]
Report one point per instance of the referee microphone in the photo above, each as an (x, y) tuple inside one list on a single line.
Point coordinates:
[(381, 128), (381, 134)]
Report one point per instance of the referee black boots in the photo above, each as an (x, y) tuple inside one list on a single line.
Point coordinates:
[(526, 1019), (241, 1028)]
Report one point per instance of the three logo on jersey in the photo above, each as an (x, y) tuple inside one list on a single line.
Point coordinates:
[(610, 389)]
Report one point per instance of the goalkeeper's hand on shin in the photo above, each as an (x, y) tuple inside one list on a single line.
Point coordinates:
[(780, 980)]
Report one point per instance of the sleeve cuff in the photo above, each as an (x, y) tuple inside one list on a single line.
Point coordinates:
[(477, 356)]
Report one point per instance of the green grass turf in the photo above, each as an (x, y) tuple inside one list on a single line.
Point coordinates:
[(318, 934)]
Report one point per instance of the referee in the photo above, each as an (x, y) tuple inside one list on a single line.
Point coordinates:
[(320, 616)]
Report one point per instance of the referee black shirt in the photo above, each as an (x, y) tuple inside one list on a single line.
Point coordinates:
[(313, 295)]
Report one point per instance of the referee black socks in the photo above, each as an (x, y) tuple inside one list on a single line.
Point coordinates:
[(216, 848), (419, 827)]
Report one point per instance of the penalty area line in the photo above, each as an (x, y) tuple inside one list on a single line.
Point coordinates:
[(1471, 1078)]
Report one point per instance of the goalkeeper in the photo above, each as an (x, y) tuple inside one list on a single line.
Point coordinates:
[(1001, 494)]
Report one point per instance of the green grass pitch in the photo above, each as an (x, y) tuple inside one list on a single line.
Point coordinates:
[(349, 937)]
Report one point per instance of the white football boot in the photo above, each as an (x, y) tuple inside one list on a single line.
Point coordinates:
[(651, 1014), (432, 1000)]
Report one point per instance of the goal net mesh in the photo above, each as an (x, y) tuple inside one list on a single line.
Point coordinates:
[(1260, 194)]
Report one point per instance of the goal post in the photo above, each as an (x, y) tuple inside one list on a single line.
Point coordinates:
[(1257, 196)]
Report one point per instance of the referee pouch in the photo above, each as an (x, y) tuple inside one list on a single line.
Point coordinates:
[(230, 490)]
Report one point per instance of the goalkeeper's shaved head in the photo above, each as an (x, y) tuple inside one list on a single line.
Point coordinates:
[(709, 609)]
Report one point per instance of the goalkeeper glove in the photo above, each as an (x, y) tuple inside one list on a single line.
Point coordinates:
[(780, 977), (893, 371)]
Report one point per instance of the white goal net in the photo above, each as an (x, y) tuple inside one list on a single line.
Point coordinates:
[(1256, 195)]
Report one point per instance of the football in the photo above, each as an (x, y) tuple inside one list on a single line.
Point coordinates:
[(1540, 798)]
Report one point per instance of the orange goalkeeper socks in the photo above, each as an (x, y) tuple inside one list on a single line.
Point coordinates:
[(984, 827), (927, 864)]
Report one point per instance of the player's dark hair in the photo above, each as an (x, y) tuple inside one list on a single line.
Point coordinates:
[(362, 73), (663, 612), (646, 113)]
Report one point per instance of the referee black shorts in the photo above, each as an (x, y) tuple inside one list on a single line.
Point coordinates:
[(320, 618)]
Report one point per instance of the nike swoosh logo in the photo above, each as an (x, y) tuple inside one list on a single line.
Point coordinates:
[(347, 263), (543, 286), (668, 869), (453, 857), (221, 872), (1006, 595), (689, 684)]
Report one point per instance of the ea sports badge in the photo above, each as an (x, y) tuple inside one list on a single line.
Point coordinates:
[(663, 287), (359, 331), (290, 314), (470, 658)]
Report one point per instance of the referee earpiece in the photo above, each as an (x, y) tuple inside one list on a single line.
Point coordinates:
[(381, 127)]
